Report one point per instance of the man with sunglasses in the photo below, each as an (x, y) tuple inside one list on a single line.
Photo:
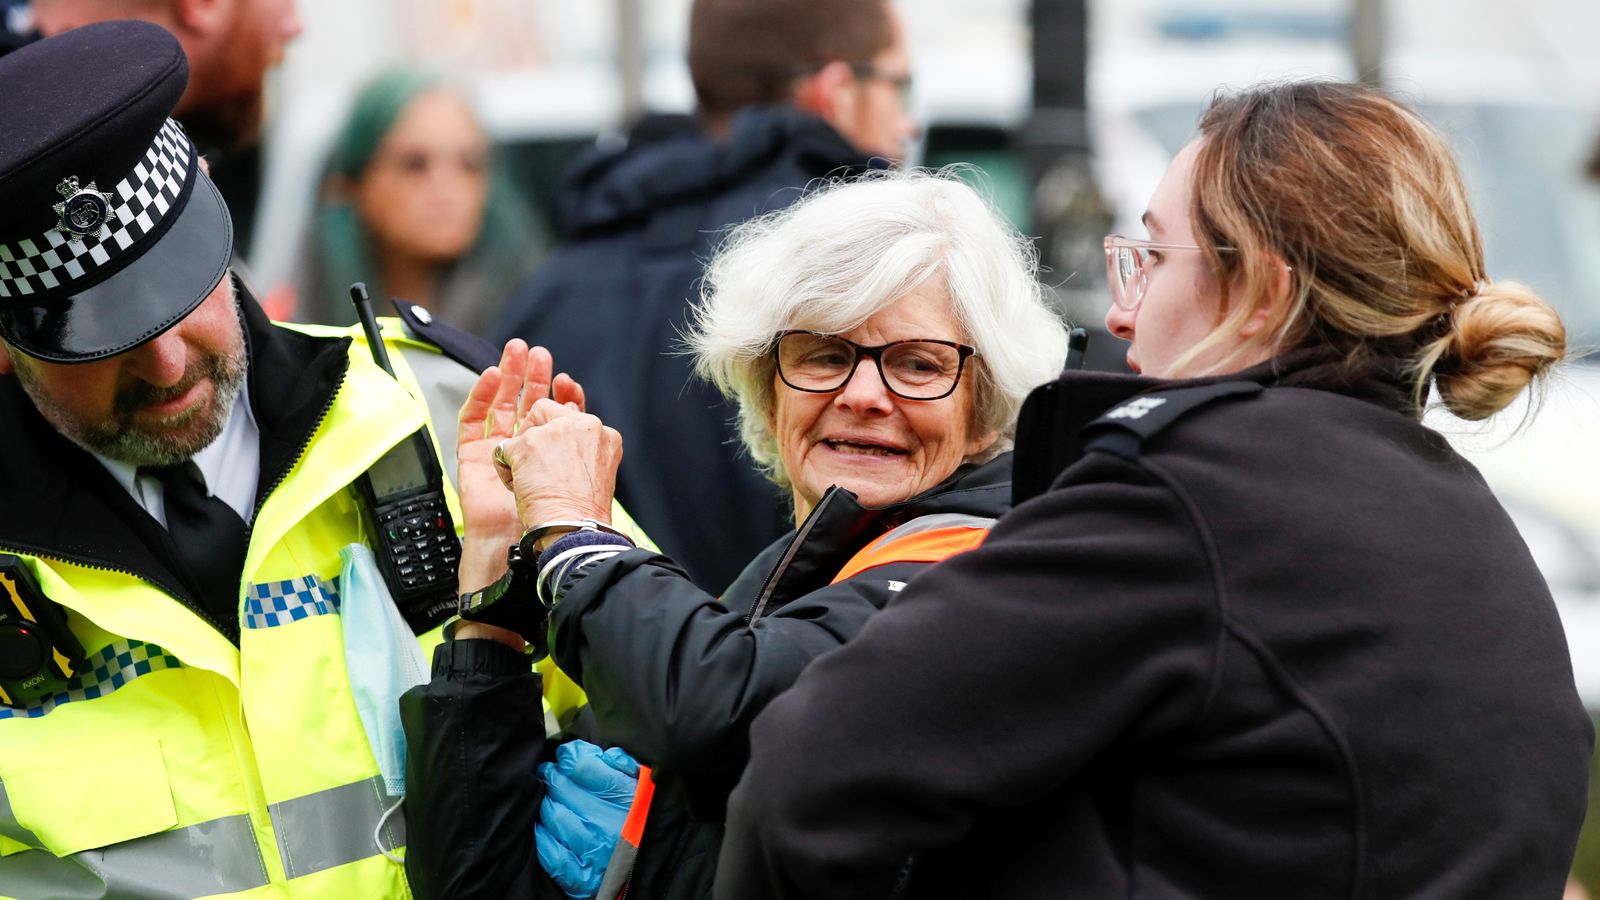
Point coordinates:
[(789, 92)]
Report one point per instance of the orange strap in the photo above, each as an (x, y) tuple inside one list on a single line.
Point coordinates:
[(619, 869), (927, 546), (633, 826)]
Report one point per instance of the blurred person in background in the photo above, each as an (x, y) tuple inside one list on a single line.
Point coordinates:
[(16, 25), (878, 338), (413, 205), (231, 45), (788, 91), (1267, 635)]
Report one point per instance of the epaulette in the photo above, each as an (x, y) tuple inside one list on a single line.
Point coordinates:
[(472, 351), (1124, 428)]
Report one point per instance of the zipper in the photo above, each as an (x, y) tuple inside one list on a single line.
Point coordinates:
[(99, 566), (305, 442), (759, 605)]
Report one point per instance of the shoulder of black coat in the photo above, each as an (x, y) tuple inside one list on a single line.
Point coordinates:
[(1124, 429)]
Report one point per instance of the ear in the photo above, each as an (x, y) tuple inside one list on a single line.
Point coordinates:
[(981, 443), (829, 94), (203, 17), (6, 366), (1269, 315)]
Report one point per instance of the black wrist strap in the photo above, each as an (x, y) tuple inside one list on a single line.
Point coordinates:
[(510, 603)]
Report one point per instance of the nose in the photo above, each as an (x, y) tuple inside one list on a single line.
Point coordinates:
[(865, 392), (1120, 321), (290, 25), (161, 361)]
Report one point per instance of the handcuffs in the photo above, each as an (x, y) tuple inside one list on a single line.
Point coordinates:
[(513, 601)]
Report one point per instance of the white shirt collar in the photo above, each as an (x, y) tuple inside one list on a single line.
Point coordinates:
[(230, 466)]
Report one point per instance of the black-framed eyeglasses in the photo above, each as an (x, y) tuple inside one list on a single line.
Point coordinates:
[(916, 370)]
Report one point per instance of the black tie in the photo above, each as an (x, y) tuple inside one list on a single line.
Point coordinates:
[(210, 539)]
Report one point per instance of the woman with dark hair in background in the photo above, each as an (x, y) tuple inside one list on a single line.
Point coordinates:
[(1267, 635), (413, 205)]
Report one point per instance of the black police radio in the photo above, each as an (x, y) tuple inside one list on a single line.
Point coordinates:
[(38, 652), (404, 502)]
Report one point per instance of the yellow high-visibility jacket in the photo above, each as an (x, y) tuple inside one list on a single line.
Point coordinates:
[(179, 765)]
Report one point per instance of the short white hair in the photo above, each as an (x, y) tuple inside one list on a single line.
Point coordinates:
[(853, 247)]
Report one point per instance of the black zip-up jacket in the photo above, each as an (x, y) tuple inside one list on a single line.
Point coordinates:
[(673, 675), (1273, 643), (612, 305)]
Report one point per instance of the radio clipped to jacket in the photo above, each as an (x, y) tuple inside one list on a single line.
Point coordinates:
[(404, 501), (38, 652)]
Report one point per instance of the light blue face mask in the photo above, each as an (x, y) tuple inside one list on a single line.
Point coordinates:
[(383, 659)]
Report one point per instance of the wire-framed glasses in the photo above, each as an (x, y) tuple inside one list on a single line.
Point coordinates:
[(916, 370), (1128, 266)]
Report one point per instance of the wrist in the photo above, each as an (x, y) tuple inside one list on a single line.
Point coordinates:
[(539, 538), (573, 551)]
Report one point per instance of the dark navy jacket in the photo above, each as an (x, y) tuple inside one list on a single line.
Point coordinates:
[(612, 303)]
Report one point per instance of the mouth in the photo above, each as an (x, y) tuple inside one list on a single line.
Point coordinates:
[(862, 447), (167, 405)]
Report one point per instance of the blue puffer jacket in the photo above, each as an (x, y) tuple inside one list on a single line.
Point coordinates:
[(612, 303)]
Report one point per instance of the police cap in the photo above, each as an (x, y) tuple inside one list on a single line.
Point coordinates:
[(109, 232)]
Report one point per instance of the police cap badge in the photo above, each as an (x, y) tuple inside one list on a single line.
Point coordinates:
[(86, 271)]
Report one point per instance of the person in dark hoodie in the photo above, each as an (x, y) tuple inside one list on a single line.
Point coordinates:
[(879, 338), (1267, 634), (789, 91)]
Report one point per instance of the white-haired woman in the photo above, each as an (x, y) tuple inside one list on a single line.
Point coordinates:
[(879, 338)]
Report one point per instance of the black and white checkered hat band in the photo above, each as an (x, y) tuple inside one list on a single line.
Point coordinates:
[(139, 204)]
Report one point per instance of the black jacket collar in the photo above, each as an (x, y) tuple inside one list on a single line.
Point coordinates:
[(609, 189), (57, 501), (839, 526), (1050, 426)]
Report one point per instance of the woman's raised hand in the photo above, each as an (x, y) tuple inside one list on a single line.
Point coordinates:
[(563, 464), (491, 414)]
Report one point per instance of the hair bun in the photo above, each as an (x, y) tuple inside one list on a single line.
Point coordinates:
[(1499, 339)]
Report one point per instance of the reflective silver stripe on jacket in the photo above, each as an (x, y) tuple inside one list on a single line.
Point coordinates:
[(334, 827), (933, 522), (10, 827), (315, 832), (216, 857)]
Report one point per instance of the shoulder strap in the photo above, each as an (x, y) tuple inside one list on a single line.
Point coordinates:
[(928, 538), (1124, 428), (472, 351)]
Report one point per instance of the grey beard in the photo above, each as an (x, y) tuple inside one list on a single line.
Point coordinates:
[(119, 440)]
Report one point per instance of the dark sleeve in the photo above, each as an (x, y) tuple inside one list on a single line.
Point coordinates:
[(1087, 617), (675, 677), (474, 735)]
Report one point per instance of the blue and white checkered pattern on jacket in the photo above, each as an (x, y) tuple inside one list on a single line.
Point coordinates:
[(273, 603), (114, 666), (266, 605)]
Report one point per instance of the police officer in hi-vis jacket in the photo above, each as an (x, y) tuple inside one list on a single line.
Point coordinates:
[(184, 712)]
